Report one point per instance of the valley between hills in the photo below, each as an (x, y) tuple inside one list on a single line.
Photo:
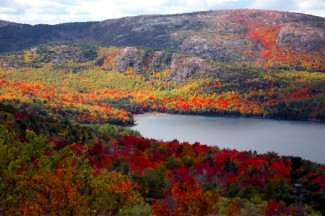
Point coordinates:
[(68, 91)]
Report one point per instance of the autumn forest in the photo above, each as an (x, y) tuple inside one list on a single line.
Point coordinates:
[(65, 148)]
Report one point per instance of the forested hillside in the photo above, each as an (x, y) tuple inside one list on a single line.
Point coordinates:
[(64, 149), (113, 83), (65, 104)]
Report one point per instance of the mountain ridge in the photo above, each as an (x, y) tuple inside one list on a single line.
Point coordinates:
[(233, 36), (175, 14)]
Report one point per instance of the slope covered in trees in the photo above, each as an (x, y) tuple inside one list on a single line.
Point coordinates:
[(107, 85), (127, 174), (64, 149)]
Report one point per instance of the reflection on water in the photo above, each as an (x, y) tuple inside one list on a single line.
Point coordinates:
[(304, 139)]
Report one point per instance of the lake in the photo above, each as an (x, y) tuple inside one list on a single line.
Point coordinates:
[(304, 139)]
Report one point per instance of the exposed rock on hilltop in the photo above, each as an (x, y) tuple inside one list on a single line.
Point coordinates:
[(255, 37)]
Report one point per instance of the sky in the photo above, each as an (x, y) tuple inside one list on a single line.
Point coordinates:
[(61, 11)]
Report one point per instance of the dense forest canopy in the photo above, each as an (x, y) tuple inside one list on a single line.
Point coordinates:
[(64, 147)]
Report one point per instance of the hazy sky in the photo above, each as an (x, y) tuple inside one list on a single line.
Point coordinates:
[(59, 11)]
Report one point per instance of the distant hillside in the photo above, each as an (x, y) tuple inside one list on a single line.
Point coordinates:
[(268, 39), (140, 80)]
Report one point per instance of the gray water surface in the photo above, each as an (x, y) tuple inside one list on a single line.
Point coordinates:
[(304, 139)]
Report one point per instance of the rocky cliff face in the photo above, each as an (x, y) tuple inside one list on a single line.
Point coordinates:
[(178, 66)]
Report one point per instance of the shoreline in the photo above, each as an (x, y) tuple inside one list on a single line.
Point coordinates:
[(228, 116), (150, 114)]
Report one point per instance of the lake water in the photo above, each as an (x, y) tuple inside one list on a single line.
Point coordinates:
[(304, 139)]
